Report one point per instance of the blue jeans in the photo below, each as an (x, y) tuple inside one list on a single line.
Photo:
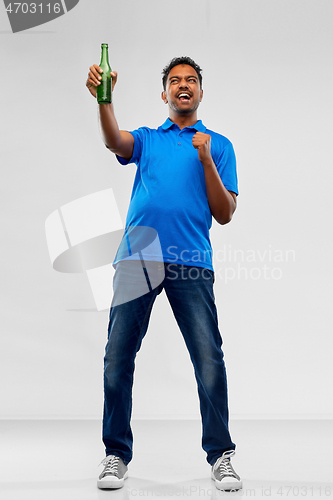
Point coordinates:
[(190, 294)]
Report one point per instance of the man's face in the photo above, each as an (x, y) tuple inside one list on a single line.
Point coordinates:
[(183, 93)]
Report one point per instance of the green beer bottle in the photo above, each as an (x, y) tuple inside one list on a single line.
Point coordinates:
[(104, 89)]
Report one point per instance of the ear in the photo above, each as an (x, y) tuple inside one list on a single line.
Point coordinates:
[(201, 94), (163, 97)]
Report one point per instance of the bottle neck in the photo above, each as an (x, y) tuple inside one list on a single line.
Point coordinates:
[(104, 56)]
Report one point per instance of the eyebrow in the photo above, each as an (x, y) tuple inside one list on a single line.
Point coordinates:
[(187, 76)]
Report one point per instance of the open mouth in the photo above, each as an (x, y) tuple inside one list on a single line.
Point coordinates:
[(183, 97)]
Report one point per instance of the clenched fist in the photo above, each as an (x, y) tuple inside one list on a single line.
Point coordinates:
[(201, 142)]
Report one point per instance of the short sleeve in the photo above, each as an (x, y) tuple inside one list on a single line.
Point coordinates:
[(137, 150), (226, 167)]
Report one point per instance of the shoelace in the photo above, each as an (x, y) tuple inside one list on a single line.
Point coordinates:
[(111, 464), (224, 464)]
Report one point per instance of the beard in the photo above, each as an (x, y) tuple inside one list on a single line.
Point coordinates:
[(183, 110)]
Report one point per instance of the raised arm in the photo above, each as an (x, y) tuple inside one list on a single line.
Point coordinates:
[(118, 141)]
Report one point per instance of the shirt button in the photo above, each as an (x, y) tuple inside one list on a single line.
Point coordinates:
[(179, 143)]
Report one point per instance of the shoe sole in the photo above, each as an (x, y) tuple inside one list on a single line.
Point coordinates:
[(111, 483), (232, 486)]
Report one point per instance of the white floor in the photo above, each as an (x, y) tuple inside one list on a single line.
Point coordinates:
[(59, 460)]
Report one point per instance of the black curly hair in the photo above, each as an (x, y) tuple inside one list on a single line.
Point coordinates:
[(175, 62)]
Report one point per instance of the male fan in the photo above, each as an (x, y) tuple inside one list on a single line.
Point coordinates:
[(186, 174)]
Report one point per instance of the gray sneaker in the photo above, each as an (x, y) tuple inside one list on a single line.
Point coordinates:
[(224, 475), (114, 473)]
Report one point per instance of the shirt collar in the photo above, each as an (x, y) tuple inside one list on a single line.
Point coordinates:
[(199, 126)]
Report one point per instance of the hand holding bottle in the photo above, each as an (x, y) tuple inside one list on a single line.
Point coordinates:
[(100, 83), (94, 79)]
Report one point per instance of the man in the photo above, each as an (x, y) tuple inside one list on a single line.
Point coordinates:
[(185, 175)]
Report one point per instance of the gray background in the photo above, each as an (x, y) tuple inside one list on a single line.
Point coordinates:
[(268, 88)]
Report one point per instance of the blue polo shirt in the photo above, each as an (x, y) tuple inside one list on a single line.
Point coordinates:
[(169, 192)]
